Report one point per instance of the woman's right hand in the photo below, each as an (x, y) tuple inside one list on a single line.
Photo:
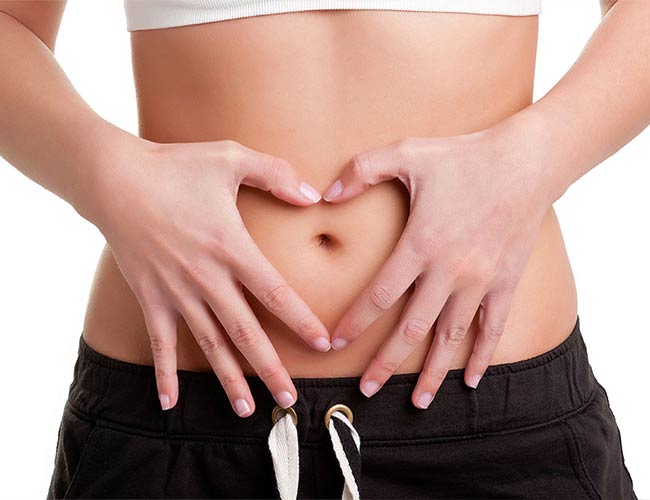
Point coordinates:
[(169, 214)]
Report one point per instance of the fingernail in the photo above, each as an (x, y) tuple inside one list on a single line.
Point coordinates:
[(164, 402), (473, 381), (339, 344), (369, 387), (309, 192), (424, 400), (242, 407), (333, 191), (284, 399), (322, 344)]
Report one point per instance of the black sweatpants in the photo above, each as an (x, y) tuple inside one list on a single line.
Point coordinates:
[(538, 428)]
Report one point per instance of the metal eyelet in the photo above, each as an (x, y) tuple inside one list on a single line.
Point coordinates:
[(277, 413), (337, 407)]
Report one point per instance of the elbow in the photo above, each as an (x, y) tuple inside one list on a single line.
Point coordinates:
[(605, 6), (41, 18)]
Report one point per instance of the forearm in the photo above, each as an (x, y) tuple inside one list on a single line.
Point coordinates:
[(601, 103), (47, 131)]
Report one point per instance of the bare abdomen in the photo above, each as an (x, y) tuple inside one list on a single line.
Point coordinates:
[(316, 88)]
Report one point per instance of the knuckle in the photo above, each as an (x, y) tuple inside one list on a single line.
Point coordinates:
[(245, 335), (455, 266), (216, 240), (275, 298), (482, 357), (387, 366), (453, 336), (231, 150), (159, 345), (354, 329), (192, 271), (235, 258), (228, 381), (306, 327), (360, 165), (483, 272), (493, 331), (211, 345), (270, 372), (277, 171), (415, 331), (405, 147), (434, 374), (427, 243), (506, 283), (222, 252), (163, 373), (380, 296), (151, 303), (141, 289)]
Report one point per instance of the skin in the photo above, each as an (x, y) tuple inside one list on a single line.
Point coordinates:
[(457, 264), (171, 273), (170, 280), (461, 264)]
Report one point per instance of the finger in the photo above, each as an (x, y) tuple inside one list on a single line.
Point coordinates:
[(161, 325), (276, 175), (218, 350), (492, 321), (413, 328), (367, 169), (239, 321), (259, 276), (450, 330), (396, 275)]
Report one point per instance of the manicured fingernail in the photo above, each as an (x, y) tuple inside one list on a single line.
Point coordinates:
[(333, 191), (424, 400), (284, 399), (473, 381), (322, 344), (164, 402), (242, 407), (309, 192), (339, 344), (369, 387)]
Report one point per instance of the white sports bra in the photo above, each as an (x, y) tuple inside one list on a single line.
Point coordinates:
[(155, 14)]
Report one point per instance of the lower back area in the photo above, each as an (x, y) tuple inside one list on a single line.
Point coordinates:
[(316, 88)]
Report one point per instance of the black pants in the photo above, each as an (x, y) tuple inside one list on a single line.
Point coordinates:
[(538, 428)]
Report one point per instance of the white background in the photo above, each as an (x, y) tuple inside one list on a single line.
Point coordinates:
[(48, 254)]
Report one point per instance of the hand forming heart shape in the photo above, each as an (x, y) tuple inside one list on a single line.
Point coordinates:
[(477, 202)]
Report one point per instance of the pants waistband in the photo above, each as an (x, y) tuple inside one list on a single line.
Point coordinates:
[(510, 396)]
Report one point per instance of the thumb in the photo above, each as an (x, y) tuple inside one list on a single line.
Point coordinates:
[(364, 170), (276, 175)]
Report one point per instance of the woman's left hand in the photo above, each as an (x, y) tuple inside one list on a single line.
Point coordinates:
[(477, 203)]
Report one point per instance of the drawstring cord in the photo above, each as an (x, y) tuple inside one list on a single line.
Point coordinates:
[(283, 444), (347, 447)]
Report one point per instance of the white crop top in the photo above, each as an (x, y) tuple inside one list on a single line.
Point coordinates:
[(154, 14)]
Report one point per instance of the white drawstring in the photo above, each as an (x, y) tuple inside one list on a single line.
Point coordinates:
[(283, 444), (348, 453)]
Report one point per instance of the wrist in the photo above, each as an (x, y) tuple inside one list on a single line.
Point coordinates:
[(528, 140), (101, 182)]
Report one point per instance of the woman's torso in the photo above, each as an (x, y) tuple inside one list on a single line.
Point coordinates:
[(315, 88)]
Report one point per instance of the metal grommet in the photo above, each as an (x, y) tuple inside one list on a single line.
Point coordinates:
[(337, 407), (277, 413)]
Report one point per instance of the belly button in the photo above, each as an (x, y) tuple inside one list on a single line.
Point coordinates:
[(324, 241)]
